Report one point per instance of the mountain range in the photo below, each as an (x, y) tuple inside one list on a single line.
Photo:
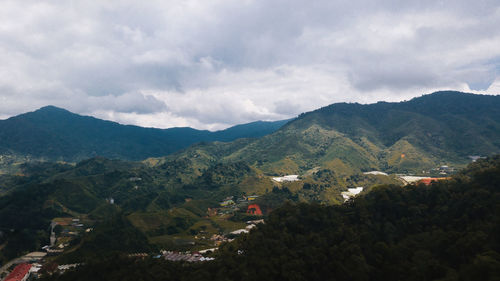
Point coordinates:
[(165, 198), (436, 129), (52, 133), (443, 128)]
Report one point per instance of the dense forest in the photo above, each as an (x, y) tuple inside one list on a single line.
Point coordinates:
[(449, 230), (55, 134)]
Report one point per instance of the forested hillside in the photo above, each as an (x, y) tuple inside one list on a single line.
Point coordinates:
[(446, 231), (168, 203), (52, 133), (443, 128)]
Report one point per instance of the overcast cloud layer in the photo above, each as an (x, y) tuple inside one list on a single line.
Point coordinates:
[(211, 64)]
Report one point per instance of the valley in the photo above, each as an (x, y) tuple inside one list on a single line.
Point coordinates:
[(204, 193), (381, 235)]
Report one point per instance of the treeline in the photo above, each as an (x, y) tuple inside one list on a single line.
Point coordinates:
[(447, 231)]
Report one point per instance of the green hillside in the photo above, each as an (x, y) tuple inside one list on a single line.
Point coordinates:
[(167, 203), (446, 231), (442, 128)]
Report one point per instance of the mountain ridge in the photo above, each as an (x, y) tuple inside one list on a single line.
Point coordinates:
[(436, 129), (439, 128), (56, 134), (328, 149)]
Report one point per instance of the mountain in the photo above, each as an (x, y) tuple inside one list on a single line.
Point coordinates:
[(171, 200), (53, 133), (442, 128)]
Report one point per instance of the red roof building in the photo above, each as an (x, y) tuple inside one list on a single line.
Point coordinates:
[(20, 273), (428, 181), (254, 209)]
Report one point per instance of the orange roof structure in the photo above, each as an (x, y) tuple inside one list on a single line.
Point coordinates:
[(428, 181), (254, 209), (19, 272)]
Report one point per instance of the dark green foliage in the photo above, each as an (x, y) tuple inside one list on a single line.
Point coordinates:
[(40, 170), (21, 239), (275, 199), (446, 231), (111, 236), (122, 268), (223, 174), (49, 191), (56, 134), (25, 216), (53, 190)]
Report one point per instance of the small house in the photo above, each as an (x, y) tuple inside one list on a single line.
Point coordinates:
[(254, 209)]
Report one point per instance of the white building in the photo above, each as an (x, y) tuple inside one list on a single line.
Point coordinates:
[(287, 178)]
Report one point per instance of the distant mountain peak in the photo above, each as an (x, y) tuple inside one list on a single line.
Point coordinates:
[(447, 93), (52, 108), (451, 94)]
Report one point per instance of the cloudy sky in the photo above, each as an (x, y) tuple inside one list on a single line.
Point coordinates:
[(212, 64)]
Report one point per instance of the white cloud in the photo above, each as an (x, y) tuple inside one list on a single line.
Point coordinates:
[(494, 88), (211, 64)]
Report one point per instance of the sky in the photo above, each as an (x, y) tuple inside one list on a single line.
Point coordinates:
[(213, 64)]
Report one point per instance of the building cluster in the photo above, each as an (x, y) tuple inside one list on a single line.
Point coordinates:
[(230, 205), (229, 201), (250, 225), (71, 227), (445, 170), (64, 267), (26, 267), (219, 239), (185, 256), (30, 266), (424, 180), (20, 273)]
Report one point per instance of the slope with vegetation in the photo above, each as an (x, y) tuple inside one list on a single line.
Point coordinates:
[(168, 203), (442, 128), (446, 231)]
